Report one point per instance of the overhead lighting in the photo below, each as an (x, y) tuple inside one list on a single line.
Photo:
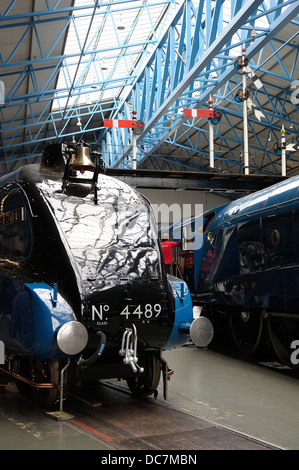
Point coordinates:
[(79, 123), (103, 65), (120, 25)]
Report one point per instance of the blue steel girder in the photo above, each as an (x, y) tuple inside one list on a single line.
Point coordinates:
[(175, 72), (277, 109), (28, 117), (227, 139), (52, 63), (192, 60)]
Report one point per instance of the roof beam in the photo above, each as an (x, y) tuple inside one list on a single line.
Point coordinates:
[(156, 120)]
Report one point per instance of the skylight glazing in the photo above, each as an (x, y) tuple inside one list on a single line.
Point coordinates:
[(105, 47)]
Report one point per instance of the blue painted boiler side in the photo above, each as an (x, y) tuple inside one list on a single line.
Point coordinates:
[(32, 321), (250, 252)]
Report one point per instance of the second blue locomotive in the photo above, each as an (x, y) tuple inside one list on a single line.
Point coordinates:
[(245, 267)]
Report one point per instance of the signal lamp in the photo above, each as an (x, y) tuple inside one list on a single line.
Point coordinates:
[(139, 127), (277, 147), (238, 62), (241, 61), (217, 116)]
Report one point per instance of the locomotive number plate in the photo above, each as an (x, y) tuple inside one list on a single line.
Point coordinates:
[(12, 217), (147, 312)]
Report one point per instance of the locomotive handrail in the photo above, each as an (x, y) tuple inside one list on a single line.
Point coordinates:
[(26, 197)]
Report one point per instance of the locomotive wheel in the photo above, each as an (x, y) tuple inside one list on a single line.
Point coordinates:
[(282, 332), (39, 371), (247, 328), (3, 378), (44, 372), (146, 385)]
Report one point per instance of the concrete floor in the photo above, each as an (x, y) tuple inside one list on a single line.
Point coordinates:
[(23, 426), (255, 399), (250, 398)]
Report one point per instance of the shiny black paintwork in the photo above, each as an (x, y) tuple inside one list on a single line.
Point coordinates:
[(104, 255), (82, 278), (105, 258)]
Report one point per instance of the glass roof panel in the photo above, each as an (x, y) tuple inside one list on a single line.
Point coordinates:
[(106, 46)]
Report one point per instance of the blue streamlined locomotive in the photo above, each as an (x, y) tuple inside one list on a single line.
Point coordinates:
[(244, 268), (84, 294)]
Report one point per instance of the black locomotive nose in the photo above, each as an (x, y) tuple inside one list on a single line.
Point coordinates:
[(136, 302), (131, 303)]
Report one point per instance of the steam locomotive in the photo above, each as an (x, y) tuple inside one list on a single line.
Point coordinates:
[(244, 272), (83, 289)]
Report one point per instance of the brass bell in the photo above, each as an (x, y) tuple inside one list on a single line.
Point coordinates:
[(81, 161)]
